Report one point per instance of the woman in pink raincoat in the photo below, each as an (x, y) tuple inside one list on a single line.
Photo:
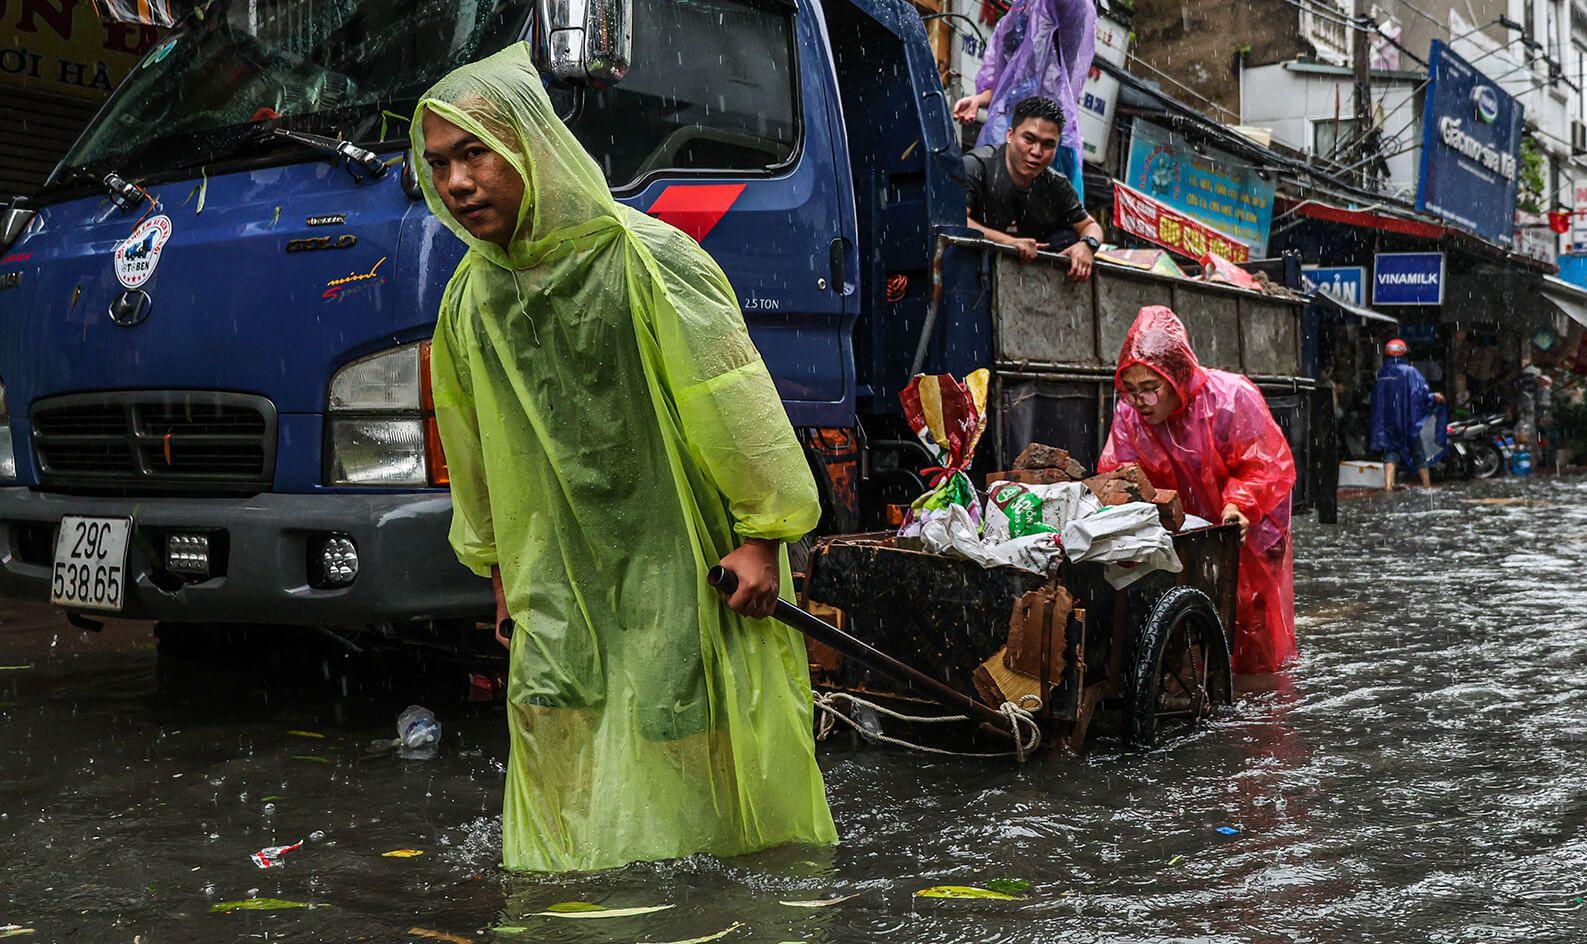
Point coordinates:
[(1209, 434)]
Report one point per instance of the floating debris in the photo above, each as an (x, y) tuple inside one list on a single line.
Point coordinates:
[(584, 909), (314, 758), (1228, 831), (15, 668), (820, 902), (1176, 860), (307, 734), (402, 854), (258, 904), (15, 930), (440, 935), (708, 938), (965, 891), (1009, 886), (271, 856)]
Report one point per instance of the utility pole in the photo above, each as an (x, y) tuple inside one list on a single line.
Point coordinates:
[(1362, 50)]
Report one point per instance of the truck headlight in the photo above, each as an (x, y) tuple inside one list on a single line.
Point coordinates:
[(381, 422), (8, 454)]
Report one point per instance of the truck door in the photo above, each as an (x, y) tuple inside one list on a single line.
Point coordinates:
[(724, 127)]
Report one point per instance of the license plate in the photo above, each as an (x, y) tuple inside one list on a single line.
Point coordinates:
[(91, 563)]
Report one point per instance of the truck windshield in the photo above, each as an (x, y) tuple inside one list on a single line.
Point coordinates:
[(344, 68)]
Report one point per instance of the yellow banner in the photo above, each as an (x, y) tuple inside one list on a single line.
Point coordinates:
[(61, 47)]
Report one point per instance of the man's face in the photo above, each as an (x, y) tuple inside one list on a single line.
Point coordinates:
[(1146, 390), (477, 185), (1031, 146)]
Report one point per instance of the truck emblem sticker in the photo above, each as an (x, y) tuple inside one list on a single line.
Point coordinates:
[(139, 254), (331, 219), (354, 283), (311, 243)]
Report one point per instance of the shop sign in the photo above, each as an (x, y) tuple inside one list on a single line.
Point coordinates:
[(1347, 284), (1212, 186), (1408, 278), (1471, 148), (1578, 220), (64, 48), (1156, 222)]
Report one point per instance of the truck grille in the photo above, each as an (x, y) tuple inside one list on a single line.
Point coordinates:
[(158, 442)]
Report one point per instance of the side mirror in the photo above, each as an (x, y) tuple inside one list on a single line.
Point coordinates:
[(14, 219), (590, 42)]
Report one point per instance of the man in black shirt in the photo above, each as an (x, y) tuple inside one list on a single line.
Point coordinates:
[(1017, 199)]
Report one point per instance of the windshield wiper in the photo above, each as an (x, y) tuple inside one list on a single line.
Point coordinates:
[(123, 193), (347, 150)]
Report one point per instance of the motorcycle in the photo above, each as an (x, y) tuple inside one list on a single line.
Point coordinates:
[(1480, 447)]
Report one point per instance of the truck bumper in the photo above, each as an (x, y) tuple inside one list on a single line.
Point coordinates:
[(263, 551)]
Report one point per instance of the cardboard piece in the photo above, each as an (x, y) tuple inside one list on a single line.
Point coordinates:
[(1043, 611), (996, 683)]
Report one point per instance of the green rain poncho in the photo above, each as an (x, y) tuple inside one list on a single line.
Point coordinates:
[(611, 433)]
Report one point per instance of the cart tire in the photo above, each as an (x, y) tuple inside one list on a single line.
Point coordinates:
[(1183, 625)]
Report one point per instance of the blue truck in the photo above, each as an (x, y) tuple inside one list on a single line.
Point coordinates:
[(215, 403)]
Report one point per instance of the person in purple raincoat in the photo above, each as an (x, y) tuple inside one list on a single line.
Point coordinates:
[(1040, 47)]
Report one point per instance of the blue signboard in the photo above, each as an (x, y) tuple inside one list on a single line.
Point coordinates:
[(1408, 278), (1212, 187), (1471, 148), (1345, 283)]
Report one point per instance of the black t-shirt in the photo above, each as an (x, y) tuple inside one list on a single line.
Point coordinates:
[(1047, 212)]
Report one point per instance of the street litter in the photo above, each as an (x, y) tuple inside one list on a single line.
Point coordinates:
[(402, 853), (1228, 831), (584, 909), (966, 891), (418, 733), (259, 904), (271, 856), (820, 902)]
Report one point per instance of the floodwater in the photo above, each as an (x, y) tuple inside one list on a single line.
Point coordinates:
[(1418, 776)]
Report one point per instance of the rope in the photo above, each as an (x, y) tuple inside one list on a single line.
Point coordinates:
[(1021, 721)]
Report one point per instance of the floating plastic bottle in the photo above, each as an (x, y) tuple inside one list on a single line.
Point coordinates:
[(418, 733)]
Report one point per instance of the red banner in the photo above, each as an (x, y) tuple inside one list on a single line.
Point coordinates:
[(1141, 216)]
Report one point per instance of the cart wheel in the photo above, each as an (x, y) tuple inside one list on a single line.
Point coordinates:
[(1182, 667)]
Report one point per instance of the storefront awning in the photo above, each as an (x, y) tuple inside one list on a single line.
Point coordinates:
[(1331, 303), (1570, 300)]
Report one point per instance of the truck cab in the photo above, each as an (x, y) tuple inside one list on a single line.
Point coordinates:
[(215, 363)]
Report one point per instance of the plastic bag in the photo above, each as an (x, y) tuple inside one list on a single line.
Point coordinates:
[(1014, 510), (1131, 534), (949, 418)]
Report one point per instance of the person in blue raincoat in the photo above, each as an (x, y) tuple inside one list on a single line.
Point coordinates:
[(1401, 404)]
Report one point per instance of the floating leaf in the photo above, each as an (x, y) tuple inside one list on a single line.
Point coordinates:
[(12, 930), (819, 902), (583, 909), (964, 891), (312, 757), (257, 904), (402, 853), (440, 935), (307, 734), (1176, 860), (271, 798), (709, 937), (1008, 886), (15, 668)]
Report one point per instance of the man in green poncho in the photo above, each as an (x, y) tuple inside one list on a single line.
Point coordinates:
[(611, 433)]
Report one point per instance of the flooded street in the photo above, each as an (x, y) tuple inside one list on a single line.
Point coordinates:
[(1417, 776)]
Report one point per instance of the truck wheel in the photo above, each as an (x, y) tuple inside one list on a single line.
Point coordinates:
[(1182, 668), (1485, 460)]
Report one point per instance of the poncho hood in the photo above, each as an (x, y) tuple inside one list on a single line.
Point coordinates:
[(1158, 340), (502, 101)]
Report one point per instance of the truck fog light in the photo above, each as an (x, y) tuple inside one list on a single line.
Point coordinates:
[(338, 561), (187, 554)]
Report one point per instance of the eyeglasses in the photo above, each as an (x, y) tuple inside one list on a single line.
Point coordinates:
[(1145, 396)]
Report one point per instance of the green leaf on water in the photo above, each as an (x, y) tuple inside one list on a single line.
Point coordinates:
[(709, 937), (1008, 886), (257, 904), (584, 909), (15, 668), (12, 930), (964, 891), (312, 757), (307, 734), (271, 798), (819, 902)]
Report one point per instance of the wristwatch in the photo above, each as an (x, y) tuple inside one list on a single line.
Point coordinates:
[(1091, 241)]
